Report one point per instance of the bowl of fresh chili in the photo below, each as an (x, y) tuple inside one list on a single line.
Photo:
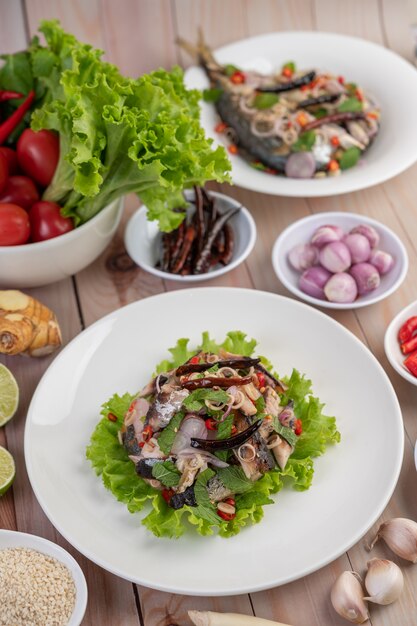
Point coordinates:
[(401, 343)]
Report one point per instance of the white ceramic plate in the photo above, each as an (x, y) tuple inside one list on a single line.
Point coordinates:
[(143, 240), (392, 346), (395, 147), (14, 539), (301, 231), (301, 532)]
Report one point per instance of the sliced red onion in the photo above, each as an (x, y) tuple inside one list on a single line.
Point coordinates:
[(341, 288), (383, 261), (312, 281), (326, 234), (366, 277), (335, 257), (207, 456), (359, 247), (244, 106), (369, 232), (303, 256), (300, 165)]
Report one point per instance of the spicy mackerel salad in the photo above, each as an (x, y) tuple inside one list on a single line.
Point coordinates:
[(207, 441)]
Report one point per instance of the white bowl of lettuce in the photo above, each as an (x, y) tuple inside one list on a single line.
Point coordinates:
[(116, 135)]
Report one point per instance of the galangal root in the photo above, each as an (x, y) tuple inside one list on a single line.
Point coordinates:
[(27, 326)]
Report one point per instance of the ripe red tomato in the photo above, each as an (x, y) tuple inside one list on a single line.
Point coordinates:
[(14, 225), (4, 172), (47, 222), (20, 190), (38, 154), (11, 157)]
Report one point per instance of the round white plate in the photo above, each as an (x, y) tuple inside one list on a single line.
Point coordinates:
[(301, 532), (395, 147)]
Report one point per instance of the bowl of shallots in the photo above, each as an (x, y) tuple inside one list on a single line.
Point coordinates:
[(340, 260)]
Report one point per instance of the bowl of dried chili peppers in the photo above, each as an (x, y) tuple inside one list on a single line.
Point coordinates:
[(401, 343), (216, 235)]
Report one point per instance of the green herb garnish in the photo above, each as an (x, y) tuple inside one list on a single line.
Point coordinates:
[(290, 65), (167, 473), (351, 105), (229, 70), (305, 142), (264, 101), (349, 158), (167, 436), (212, 95), (196, 400)]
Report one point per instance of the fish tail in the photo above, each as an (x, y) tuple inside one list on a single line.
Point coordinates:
[(200, 51)]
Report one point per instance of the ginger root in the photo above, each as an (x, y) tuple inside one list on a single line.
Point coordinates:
[(27, 326)]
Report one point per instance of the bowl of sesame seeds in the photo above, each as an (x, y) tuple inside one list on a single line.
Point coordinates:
[(41, 583)]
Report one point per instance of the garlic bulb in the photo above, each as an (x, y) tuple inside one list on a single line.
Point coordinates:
[(347, 598), (384, 581), (400, 534)]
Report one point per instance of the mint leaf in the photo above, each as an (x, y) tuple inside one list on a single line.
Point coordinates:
[(264, 101), (230, 69), (290, 65), (195, 400), (305, 142), (349, 158), (167, 473), (224, 428), (234, 479), (284, 431), (167, 436), (237, 343), (260, 405), (205, 508), (319, 113), (212, 95), (351, 105)]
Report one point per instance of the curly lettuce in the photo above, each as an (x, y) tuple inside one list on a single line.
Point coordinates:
[(111, 462), (117, 134)]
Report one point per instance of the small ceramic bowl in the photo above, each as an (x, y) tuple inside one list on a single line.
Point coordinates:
[(44, 262), (143, 240), (301, 232), (14, 539), (392, 346)]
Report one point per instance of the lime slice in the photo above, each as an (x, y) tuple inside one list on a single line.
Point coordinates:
[(9, 395), (7, 470)]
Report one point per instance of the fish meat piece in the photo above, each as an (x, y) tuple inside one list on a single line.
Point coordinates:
[(217, 490), (272, 406), (263, 461), (178, 500), (165, 405), (130, 440)]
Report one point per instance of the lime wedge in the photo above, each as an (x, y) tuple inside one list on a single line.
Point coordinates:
[(7, 470), (9, 395)]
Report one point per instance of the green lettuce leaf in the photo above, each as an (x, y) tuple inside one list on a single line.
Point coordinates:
[(120, 135)]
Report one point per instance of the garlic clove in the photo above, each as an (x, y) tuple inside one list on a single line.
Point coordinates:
[(347, 598), (400, 534), (384, 581)]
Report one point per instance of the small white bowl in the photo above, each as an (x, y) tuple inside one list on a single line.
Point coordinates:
[(44, 262), (301, 232), (392, 346), (143, 240), (14, 539)]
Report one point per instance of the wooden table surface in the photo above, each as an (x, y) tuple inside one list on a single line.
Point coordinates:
[(138, 35)]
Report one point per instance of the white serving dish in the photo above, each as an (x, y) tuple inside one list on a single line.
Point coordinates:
[(392, 346), (44, 262), (143, 240), (301, 232)]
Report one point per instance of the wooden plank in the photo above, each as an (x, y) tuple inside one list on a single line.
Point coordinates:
[(396, 18), (162, 609), (264, 16), (221, 22), (139, 34), (12, 26), (358, 18), (79, 17)]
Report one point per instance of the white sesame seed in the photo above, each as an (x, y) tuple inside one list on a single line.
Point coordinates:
[(36, 589)]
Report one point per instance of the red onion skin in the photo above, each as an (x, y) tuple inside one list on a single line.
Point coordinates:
[(313, 280), (341, 288), (359, 247), (383, 261), (367, 231), (303, 256), (326, 234), (335, 257), (300, 165), (366, 277)]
